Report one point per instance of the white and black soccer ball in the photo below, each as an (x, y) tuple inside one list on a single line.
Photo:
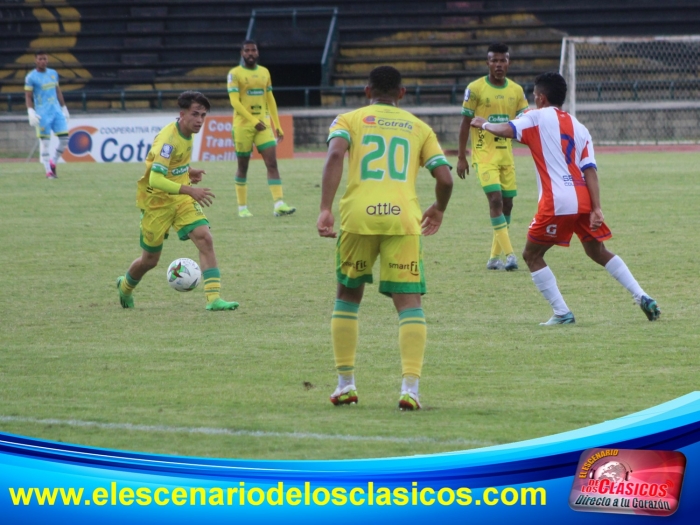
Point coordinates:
[(184, 275)]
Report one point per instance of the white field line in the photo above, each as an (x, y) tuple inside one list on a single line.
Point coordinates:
[(245, 433)]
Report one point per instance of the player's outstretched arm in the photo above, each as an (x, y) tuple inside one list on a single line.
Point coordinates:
[(462, 164), (591, 176), (157, 180), (500, 130), (432, 218), (332, 173)]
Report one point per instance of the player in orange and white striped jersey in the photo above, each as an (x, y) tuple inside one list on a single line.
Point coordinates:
[(569, 195)]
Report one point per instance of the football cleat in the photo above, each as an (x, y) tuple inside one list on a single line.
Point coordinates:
[(244, 213), (495, 264), (344, 396), (511, 263), (649, 307), (283, 210), (409, 401), (219, 305), (52, 165), (126, 300), (567, 318), (50, 175)]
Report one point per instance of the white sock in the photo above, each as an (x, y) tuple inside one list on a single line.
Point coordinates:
[(410, 384), (547, 285), (62, 143), (618, 269), (241, 208), (345, 380), (44, 154)]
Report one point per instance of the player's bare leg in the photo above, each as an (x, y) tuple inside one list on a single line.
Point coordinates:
[(202, 239), (618, 269), (274, 181), (546, 283), (412, 338), (344, 332), (242, 186), (127, 282)]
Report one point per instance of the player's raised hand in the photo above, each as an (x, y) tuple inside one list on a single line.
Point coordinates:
[(477, 122), (260, 126), (596, 219), (462, 168), (325, 223), (203, 196), (431, 221), (196, 175)]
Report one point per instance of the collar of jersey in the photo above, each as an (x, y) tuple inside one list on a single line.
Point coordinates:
[(177, 125), (249, 68), (505, 84)]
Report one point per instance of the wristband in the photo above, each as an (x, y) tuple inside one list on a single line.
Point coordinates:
[(483, 126)]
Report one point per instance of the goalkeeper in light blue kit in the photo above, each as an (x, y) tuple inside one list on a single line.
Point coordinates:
[(47, 110)]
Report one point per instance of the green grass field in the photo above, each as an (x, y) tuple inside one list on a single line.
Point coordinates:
[(170, 377)]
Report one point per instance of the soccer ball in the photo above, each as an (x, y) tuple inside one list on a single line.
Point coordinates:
[(184, 275)]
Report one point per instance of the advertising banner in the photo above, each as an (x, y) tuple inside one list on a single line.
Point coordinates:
[(129, 138)]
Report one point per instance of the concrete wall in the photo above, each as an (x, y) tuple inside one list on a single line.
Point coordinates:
[(17, 137)]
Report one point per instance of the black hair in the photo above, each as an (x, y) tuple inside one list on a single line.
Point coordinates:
[(498, 47), (40, 52), (248, 43), (553, 86), (186, 99), (385, 80)]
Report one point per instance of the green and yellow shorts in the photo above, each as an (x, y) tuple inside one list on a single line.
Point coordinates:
[(184, 214), (401, 262), (245, 135), (496, 178)]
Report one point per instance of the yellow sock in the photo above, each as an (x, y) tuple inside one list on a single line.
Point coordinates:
[(212, 284), (344, 330), (128, 284), (242, 191), (413, 333), (495, 247), (275, 188), (500, 231)]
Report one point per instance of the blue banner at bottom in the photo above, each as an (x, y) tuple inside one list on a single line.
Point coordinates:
[(559, 478)]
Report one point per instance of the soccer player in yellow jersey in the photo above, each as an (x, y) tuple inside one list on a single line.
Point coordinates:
[(166, 198), (250, 92), (380, 217), (496, 99)]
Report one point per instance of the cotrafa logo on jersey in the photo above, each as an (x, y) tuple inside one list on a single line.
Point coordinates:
[(369, 119), (394, 124)]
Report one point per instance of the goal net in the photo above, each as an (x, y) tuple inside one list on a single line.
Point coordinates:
[(630, 90)]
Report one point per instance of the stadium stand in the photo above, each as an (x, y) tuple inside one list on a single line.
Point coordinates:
[(128, 53)]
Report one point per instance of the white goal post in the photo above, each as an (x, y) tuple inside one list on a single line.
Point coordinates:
[(634, 89)]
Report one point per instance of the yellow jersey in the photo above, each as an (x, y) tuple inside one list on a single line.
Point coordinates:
[(497, 104), (170, 156), (387, 148), (252, 86)]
